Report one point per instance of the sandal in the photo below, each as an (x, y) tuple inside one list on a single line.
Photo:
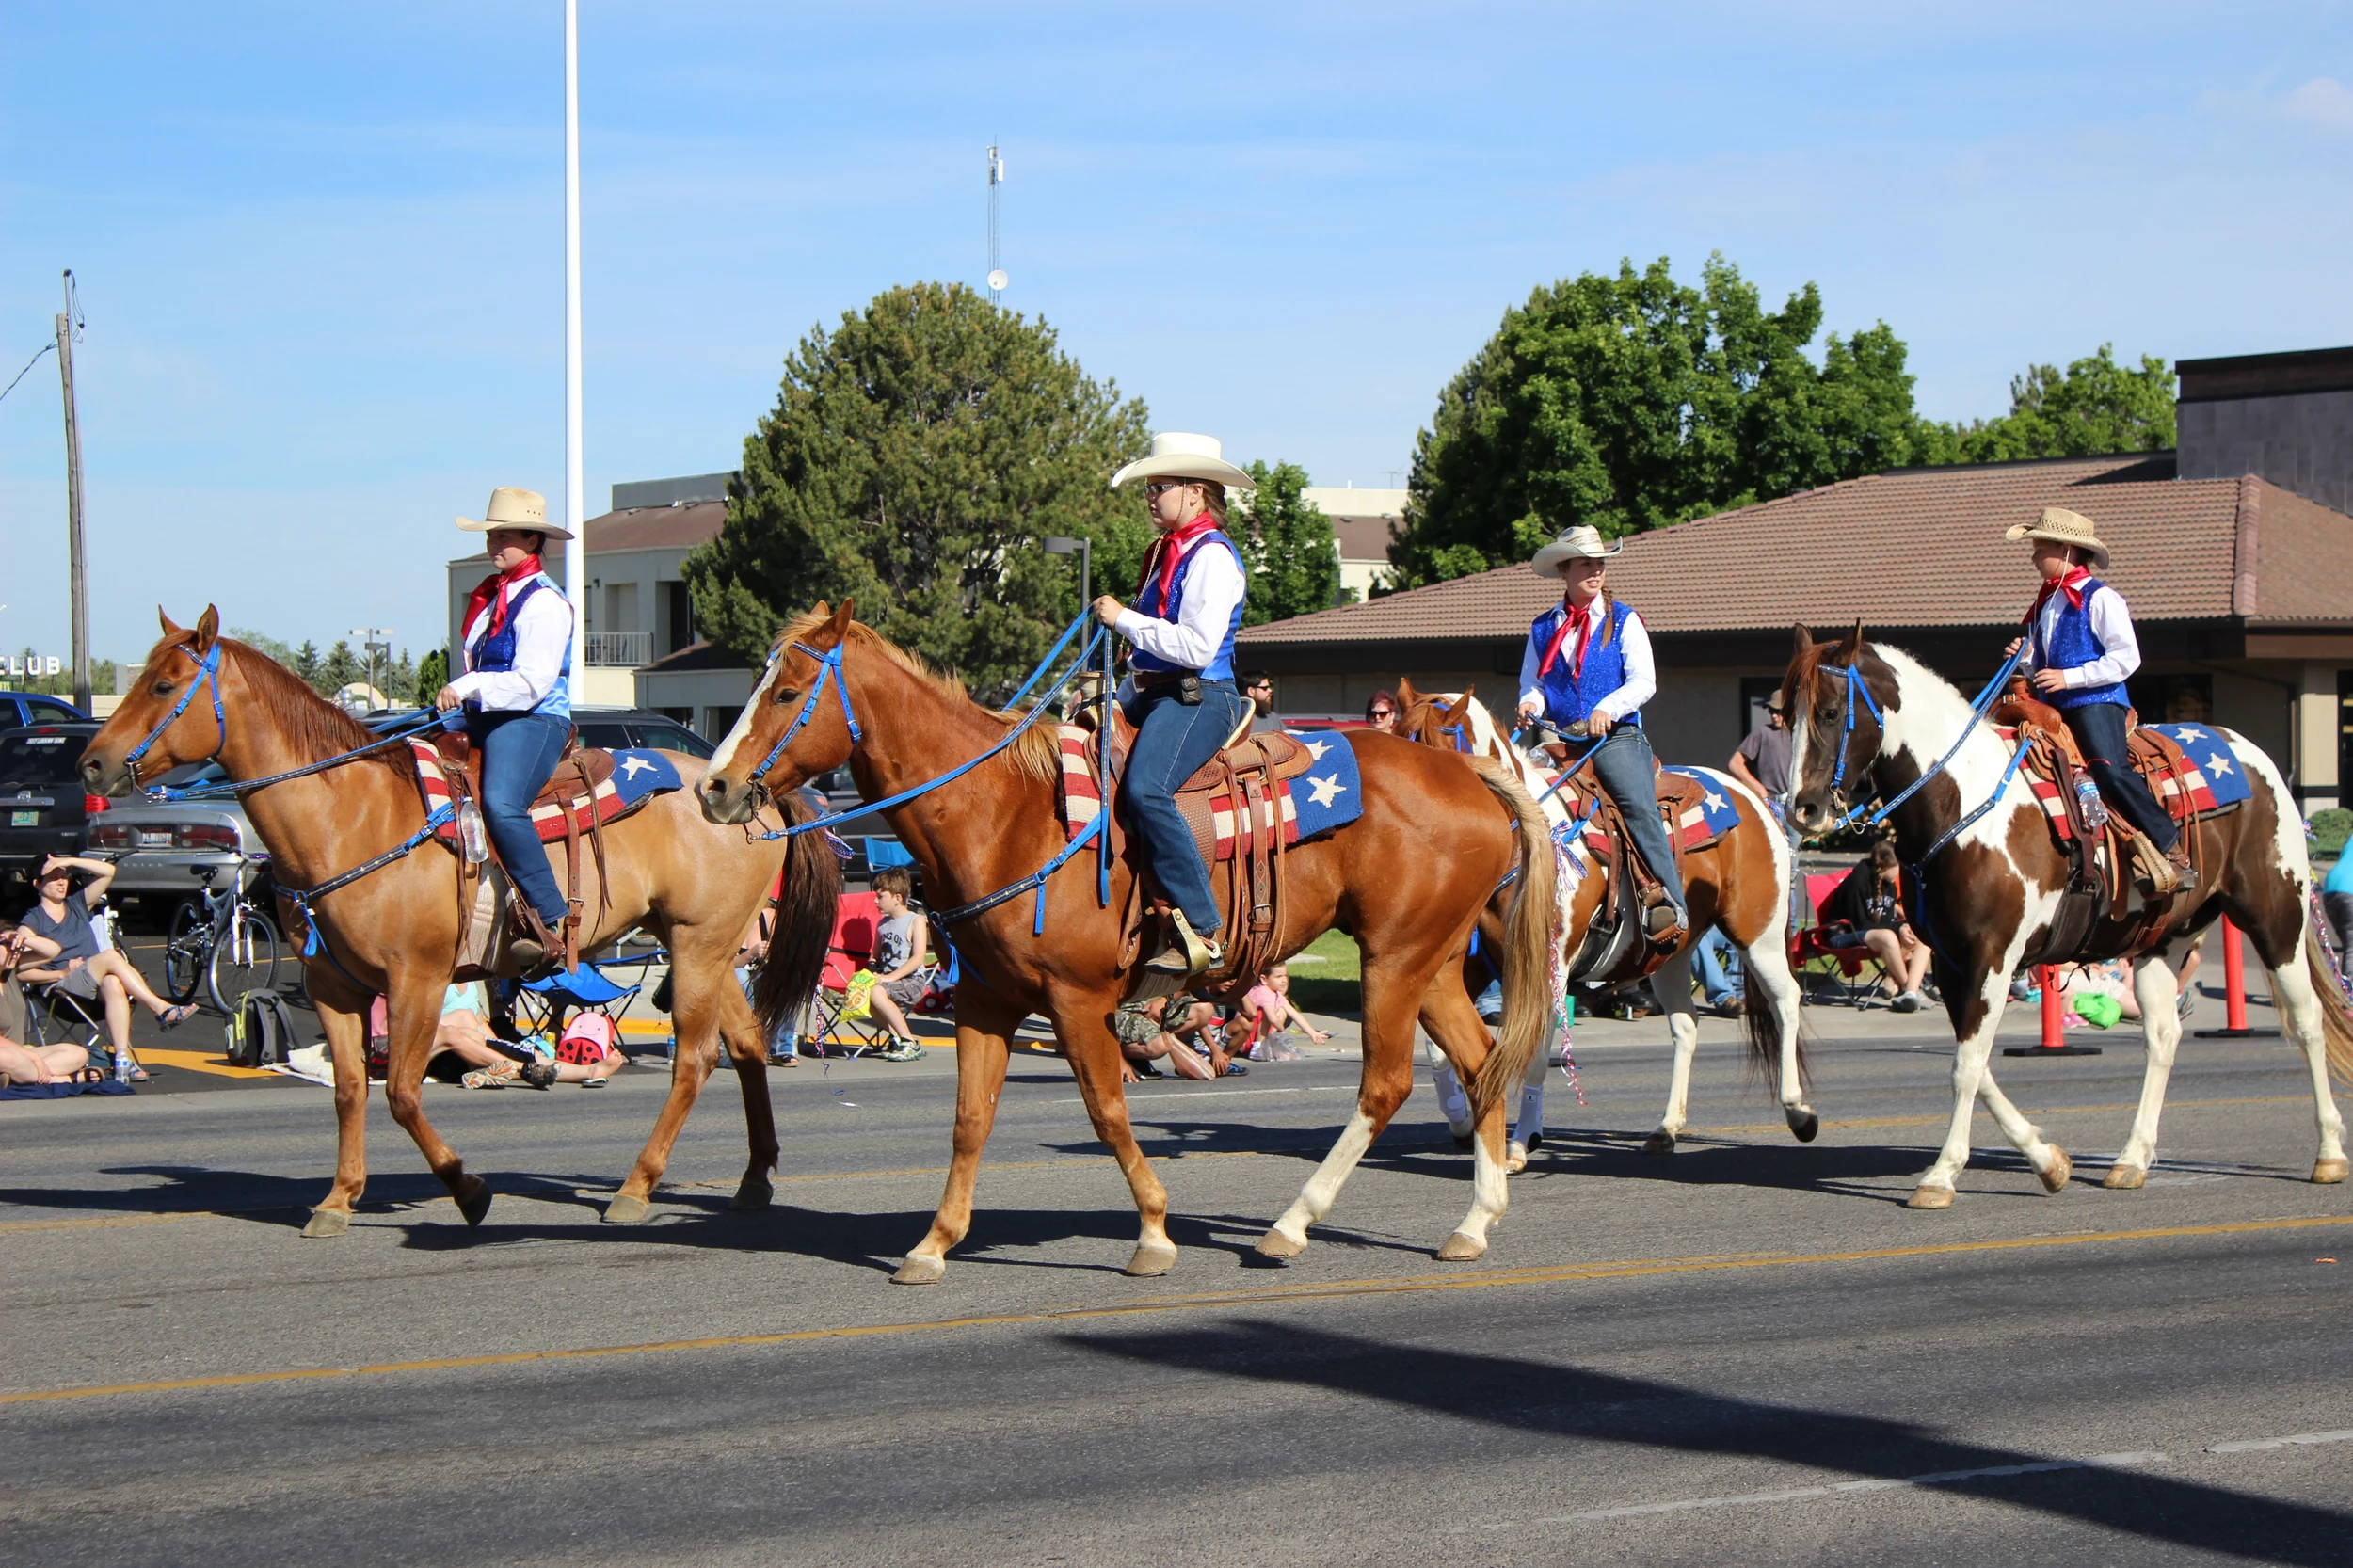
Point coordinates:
[(498, 1077), (139, 1075), (538, 1075), (172, 1018)]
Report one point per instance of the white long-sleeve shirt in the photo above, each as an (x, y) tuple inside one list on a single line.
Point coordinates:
[(543, 648), (1641, 671), (1213, 585), (2111, 621)]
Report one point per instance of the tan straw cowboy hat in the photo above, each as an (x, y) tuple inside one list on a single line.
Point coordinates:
[(514, 507), (1177, 455), (1581, 540), (2062, 526)]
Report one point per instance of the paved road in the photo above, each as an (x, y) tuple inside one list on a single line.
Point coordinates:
[(1751, 1351)]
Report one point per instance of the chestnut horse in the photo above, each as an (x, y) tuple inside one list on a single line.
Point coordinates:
[(395, 932), (1985, 900), (1408, 877), (1739, 882)]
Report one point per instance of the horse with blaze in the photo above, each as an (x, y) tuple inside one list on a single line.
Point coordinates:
[(1987, 895), (1408, 877)]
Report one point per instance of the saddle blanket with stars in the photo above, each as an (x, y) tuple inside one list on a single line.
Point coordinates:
[(2190, 768), (1709, 808), (638, 776), (1329, 794)]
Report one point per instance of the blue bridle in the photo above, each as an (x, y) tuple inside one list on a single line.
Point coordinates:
[(1855, 685), (207, 674), (828, 668)]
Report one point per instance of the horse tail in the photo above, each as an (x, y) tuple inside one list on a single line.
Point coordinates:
[(806, 907), (2336, 1012), (1526, 949)]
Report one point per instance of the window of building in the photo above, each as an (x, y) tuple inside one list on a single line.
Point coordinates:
[(681, 621)]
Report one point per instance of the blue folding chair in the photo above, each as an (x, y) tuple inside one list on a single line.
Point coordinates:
[(540, 1004)]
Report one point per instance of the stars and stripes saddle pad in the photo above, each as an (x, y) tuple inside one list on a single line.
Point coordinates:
[(1329, 794), (2205, 774), (638, 776), (1707, 808)]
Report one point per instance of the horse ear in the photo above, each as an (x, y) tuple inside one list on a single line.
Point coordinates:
[(171, 628), (1454, 711), (842, 619), (1804, 642), (207, 629), (1406, 696), (1849, 649)]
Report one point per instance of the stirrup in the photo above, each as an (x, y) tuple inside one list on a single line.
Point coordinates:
[(1191, 956), (538, 951)]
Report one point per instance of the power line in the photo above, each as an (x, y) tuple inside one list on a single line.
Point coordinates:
[(28, 367)]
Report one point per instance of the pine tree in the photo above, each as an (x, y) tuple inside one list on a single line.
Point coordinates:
[(1287, 544)]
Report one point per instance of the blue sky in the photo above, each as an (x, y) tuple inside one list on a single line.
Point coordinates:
[(320, 247)]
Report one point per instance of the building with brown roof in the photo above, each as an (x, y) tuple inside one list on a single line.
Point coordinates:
[(2241, 587)]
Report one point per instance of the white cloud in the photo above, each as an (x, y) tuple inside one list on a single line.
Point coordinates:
[(2324, 101)]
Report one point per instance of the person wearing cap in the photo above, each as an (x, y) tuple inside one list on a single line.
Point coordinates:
[(2077, 650), (513, 700), (1179, 693), (1588, 658)]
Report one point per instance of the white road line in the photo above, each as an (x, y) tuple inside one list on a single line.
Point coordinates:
[(1152, 1096), (2261, 1445), (1836, 1489)]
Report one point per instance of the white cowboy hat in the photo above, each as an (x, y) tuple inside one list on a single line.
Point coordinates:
[(514, 507), (1582, 540), (2062, 526), (1177, 455)]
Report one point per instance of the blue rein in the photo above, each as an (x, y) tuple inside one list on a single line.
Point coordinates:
[(1977, 705), (207, 674)]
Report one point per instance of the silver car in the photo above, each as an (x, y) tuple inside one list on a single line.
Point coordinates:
[(165, 855)]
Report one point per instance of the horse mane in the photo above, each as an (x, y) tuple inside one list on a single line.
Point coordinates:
[(315, 728), (1036, 753)]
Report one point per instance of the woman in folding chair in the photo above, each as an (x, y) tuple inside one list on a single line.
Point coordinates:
[(86, 968), (1869, 905)]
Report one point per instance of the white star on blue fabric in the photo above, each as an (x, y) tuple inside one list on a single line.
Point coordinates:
[(1323, 792), (1714, 801), (633, 766), (2217, 766), (1315, 748)]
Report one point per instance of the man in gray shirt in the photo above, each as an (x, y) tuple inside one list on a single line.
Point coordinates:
[(1762, 760)]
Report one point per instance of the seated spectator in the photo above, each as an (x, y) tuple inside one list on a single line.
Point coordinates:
[(1381, 711), (19, 948), (83, 967), (902, 965), (1266, 1012), (1868, 907), (1151, 1031), (61, 1064), (1720, 968), (784, 1045), (585, 1055)]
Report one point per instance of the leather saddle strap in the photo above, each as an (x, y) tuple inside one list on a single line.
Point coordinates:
[(596, 839)]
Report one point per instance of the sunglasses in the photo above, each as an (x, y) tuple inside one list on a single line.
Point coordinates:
[(1154, 489)]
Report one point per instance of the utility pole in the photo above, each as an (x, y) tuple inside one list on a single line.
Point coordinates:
[(77, 569), (997, 279), (575, 484)]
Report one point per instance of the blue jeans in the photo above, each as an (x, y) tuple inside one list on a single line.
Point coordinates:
[(1171, 743), (1626, 768), (2099, 729), (1719, 962), (519, 756)]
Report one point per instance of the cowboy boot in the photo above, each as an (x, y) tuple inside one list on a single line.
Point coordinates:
[(2177, 860), (2158, 871), (537, 950), (1190, 955)]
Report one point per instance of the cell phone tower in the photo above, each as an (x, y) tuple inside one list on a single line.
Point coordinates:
[(997, 279)]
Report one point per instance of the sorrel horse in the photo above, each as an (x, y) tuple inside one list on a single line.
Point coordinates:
[(1408, 877), (1986, 899), (395, 932), (1739, 884)]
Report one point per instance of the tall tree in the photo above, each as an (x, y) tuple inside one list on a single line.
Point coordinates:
[(1634, 401), (914, 456), (1287, 544), (432, 675), (2092, 408)]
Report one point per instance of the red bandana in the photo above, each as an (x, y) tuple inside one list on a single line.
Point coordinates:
[(504, 584), (2072, 584), (1576, 619), (1168, 550)]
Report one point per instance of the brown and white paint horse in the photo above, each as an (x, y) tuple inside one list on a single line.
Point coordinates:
[(1988, 897), (1739, 882), (395, 932), (1408, 877)]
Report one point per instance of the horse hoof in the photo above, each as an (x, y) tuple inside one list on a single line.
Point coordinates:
[(627, 1209), (920, 1269), (2122, 1178), (2327, 1171), (1276, 1245), (1514, 1158), (475, 1202), (755, 1193), (1804, 1127), (334, 1222), (1926, 1196), (1460, 1248), (1461, 1140), (1151, 1262), (1659, 1142), (2060, 1169)]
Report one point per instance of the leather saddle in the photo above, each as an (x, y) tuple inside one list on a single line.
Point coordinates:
[(1618, 946), (580, 772)]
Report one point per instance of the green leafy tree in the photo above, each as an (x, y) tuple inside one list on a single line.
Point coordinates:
[(916, 455), (1633, 401), (2092, 408), (1287, 544), (340, 668), (264, 642), (432, 675)]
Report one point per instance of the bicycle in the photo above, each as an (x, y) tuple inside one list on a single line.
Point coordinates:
[(230, 943)]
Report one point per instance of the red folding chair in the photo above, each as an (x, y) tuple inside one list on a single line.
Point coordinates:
[(1860, 973), (832, 1030)]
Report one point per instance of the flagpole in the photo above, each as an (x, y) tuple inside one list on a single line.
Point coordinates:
[(575, 484)]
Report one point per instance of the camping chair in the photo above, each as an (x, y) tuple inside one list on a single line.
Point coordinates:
[(54, 1016), (832, 1028), (540, 1004), (940, 1000), (1859, 973)]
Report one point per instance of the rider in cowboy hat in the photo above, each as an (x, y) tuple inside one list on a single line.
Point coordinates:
[(1589, 658), (2079, 646), (514, 646), (1179, 692)]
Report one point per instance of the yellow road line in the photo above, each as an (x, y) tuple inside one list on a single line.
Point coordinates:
[(201, 1061), (1557, 1274)]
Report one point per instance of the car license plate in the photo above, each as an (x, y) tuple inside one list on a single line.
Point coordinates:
[(25, 819), (151, 840)]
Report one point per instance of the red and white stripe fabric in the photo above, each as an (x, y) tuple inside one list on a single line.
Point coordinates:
[(1080, 800), (433, 784)]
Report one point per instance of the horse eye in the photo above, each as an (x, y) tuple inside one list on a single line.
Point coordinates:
[(787, 694), (161, 688)]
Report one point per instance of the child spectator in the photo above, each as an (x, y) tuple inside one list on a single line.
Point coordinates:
[(1266, 1012), (903, 970)]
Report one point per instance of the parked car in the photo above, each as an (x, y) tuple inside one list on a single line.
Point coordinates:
[(40, 793), (610, 728), (18, 708), (165, 855)]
